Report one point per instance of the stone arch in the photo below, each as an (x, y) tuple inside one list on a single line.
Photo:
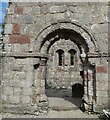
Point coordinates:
[(52, 33), (68, 31)]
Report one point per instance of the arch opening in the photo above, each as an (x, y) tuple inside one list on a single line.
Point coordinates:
[(62, 69), (77, 90), (60, 57), (49, 44), (72, 53)]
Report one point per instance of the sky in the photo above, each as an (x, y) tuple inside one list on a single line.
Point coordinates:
[(3, 5)]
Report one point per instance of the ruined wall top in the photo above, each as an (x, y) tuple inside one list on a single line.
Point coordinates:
[(26, 20)]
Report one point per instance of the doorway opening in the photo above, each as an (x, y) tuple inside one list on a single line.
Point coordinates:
[(77, 90), (61, 70)]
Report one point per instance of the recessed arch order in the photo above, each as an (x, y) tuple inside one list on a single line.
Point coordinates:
[(68, 31)]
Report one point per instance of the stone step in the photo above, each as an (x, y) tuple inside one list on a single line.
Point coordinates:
[(61, 104), (57, 108)]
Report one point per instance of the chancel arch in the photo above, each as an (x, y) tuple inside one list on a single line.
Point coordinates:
[(62, 42)]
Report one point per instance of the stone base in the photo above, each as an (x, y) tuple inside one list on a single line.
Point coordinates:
[(20, 109), (99, 108)]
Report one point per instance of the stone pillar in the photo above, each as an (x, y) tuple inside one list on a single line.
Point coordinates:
[(36, 94), (43, 102), (102, 88), (86, 99), (89, 89), (67, 59)]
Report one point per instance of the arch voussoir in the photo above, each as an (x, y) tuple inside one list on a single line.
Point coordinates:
[(89, 39)]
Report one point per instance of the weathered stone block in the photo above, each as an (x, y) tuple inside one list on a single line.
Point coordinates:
[(38, 90), (21, 39), (102, 78), (102, 86), (5, 82), (22, 75), (12, 109), (67, 14), (14, 82), (17, 91), (72, 8), (36, 10), (16, 47), (22, 61), (18, 10), (4, 98), (104, 28), (25, 99), (25, 48), (42, 104), (63, 8), (7, 67), (6, 39), (101, 69), (95, 28), (8, 29), (16, 28), (8, 19), (57, 9), (37, 19), (8, 48), (27, 10), (17, 67), (29, 67), (43, 98), (7, 76), (8, 90), (42, 83), (22, 19), (101, 93), (24, 68), (58, 16), (26, 29), (14, 99), (22, 83), (26, 19), (102, 101), (10, 10), (27, 91), (42, 89), (36, 61)]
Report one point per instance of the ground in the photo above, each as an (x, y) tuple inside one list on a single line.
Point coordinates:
[(54, 114), (58, 108), (61, 105)]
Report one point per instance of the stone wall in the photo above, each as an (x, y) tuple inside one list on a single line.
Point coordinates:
[(29, 29), (1, 46), (66, 75)]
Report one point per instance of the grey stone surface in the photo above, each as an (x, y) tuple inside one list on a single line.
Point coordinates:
[(17, 91), (17, 68), (25, 99), (14, 99), (8, 29), (31, 63)]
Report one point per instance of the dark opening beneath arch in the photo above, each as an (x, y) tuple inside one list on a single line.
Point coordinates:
[(77, 90)]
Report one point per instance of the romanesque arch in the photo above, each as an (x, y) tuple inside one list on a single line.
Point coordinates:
[(78, 35), (52, 30)]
